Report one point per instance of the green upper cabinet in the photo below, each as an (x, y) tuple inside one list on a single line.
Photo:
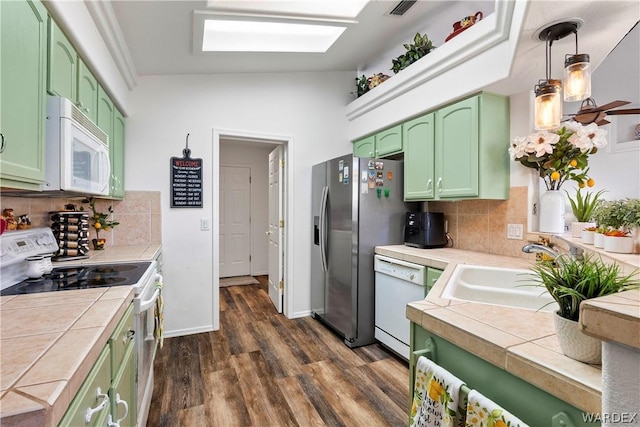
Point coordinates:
[(110, 120), (463, 155), (456, 156), (365, 147), (385, 143), (23, 54), (87, 92), (116, 152), (419, 143), (389, 141), (63, 64)]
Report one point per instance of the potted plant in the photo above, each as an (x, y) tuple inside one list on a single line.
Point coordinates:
[(99, 221), (582, 208), (570, 281), (623, 218), (601, 215), (588, 234), (420, 47)]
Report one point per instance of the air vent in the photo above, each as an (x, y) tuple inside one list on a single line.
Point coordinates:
[(89, 126), (402, 7)]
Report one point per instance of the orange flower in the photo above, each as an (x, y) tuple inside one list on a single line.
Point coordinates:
[(591, 182), (435, 390)]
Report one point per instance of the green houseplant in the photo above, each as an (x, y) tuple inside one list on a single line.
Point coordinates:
[(99, 221), (583, 208), (420, 47), (622, 220), (571, 281)]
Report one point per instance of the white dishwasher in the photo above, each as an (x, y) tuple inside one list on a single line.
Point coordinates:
[(397, 284)]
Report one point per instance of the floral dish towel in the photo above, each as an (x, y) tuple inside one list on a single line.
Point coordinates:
[(483, 412), (436, 397)]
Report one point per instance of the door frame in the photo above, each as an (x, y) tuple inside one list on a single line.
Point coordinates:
[(288, 196)]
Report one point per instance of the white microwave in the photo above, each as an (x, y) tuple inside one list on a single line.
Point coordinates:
[(77, 151)]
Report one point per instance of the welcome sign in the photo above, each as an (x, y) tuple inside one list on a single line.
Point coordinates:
[(186, 180)]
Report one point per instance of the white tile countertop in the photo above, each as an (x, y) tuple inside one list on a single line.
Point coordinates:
[(520, 341), (50, 341)]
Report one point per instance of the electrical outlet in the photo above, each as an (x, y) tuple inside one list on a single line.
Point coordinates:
[(515, 231)]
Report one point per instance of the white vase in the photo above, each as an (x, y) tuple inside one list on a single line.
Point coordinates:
[(574, 343), (578, 227), (552, 212), (587, 237), (618, 244), (598, 240)]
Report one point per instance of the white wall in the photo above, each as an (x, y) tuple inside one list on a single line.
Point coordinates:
[(256, 158), (308, 107)]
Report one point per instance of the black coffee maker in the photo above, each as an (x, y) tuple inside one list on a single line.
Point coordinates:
[(425, 230)]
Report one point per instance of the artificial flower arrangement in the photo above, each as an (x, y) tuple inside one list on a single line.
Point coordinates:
[(560, 155)]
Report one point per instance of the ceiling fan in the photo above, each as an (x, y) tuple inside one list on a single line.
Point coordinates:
[(590, 112)]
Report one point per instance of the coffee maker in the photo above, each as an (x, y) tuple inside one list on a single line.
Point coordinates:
[(425, 230)]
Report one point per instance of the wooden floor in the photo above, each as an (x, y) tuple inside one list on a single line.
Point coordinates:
[(262, 369)]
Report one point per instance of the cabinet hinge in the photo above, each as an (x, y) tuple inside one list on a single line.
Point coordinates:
[(281, 223), (281, 284), (281, 163)]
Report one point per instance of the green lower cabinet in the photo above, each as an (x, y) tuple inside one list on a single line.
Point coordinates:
[(91, 406), (433, 274), (532, 405), (122, 393)]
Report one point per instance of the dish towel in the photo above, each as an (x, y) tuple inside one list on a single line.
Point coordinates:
[(482, 411), (158, 316), (436, 396)]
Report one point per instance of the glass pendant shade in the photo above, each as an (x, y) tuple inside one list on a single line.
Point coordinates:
[(548, 105), (577, 77)]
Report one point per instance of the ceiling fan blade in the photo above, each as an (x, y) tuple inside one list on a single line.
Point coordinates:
[(611, 105), (586, 117), (602, 122), (625, 111)]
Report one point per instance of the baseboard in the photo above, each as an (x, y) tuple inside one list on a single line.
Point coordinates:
[(299, 314), (258, 273), (189, 331)]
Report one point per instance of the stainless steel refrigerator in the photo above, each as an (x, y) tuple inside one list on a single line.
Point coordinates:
[(357, 205)]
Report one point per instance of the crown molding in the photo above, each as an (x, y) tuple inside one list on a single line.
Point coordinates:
[(105, 19)]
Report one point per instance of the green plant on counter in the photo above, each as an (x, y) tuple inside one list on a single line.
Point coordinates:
[(571, 281), (420, 47), (99, 219), (618, 214), (583, 207)]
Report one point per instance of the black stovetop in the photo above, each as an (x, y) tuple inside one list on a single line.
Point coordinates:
[(82, 277)]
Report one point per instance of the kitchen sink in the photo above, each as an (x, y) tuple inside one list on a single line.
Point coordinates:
[(508, 287)]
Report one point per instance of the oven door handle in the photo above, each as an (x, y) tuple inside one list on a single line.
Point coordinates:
[(147, 304)]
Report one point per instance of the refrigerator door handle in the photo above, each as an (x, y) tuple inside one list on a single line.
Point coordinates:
[(323, 227)]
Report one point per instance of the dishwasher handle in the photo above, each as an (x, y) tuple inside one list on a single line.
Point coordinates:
[(406, 271)]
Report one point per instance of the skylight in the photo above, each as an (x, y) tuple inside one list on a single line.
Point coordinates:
[(308, 8), (225, 35)]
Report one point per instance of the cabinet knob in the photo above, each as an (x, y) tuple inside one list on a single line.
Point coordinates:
[(439, 184), (430, 185)]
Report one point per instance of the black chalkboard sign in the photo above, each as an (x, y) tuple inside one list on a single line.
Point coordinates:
[(186, 180)]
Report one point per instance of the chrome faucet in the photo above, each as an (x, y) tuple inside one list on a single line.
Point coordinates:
[(536, 247)]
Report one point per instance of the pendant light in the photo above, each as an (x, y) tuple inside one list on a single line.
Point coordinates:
[(548, 102), (577, 75)]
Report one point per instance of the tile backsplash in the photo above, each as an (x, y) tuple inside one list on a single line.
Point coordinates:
[(139, 215), (481, 225)]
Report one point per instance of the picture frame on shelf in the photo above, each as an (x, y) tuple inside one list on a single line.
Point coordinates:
[(623, 133)]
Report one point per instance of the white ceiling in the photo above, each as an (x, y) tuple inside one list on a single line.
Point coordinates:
[(159, 36)]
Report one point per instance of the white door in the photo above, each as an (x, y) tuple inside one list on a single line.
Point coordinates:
[(276, 227), (235, 221)]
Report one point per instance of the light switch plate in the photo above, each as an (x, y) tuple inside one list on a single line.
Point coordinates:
[(515, 231), (205, 224)]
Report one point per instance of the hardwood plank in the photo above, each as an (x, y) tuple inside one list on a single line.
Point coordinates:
[(192, 416), (279, 358), (226, 300), (257, 397), (353, 408), (224, 404), (238, 333), (304, 349), (214, 352), (299, 401), (185, 381), (320, 402)]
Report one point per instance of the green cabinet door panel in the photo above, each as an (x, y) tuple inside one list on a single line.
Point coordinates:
[(389, 141), (456, 156), (365, 147), (94, 394), (433, 274), (87, 92), (418, 140), (526, 401), (116, 151), (122, 393), (105, 113), (63, 64), (23, 49)]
